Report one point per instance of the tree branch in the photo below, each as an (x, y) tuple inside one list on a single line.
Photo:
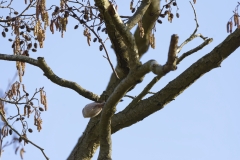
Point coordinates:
[(88, 143), (21, 14), (160, 71), (110, 105), (138, 14), (50, 74), (193, 35), (156, 102), (184, 55)]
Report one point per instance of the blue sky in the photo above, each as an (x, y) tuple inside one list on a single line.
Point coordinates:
[(201, 124)]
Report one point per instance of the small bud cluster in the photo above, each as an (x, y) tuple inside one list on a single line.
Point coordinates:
[(167, 8), (18, 96)]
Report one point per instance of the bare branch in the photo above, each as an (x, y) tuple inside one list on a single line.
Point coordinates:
[(21, 14), (156, 102), (126, 34), (50, 74), (193, 35), (128, 116), (160, 71), (184, 55), (102, 43)]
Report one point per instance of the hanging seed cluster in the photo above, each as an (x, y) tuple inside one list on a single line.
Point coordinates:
[(26, 32), (152, 40), (15, 96), (59, 20), (19, 97), (87, 34), (167, 11), (234, 20)]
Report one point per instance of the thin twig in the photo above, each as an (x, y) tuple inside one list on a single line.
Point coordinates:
[(23, 137), (167, 67), (21, 14), (184, 55), (100, 40), (130, 96), (144, 91), (192, 36)]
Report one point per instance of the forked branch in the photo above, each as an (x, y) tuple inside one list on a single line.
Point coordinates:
[(193, 35)]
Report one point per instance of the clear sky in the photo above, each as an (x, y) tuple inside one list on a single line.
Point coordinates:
[(200, 124)]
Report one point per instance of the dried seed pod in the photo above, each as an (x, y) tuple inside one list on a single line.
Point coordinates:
[(95, 39), (20, 139), (10, 40), (162, 15), (66, 14), (28, 29), (30, 130), (22, 26), (103, 30), (26, 54), (228, 27), (3, 34), (35, 45), (177, 15), (6, 29), (174, 3), (56, 9), (167, 6), (92, 109), (159, 21), (21, 42), (41, 109), (10, 132), (100, 47), (76, 27), (194, 1), (166, 12), (99, 27), (29, 46), (82, 21), (15, 12), (34, 50), (133, 10), (131, 5)]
